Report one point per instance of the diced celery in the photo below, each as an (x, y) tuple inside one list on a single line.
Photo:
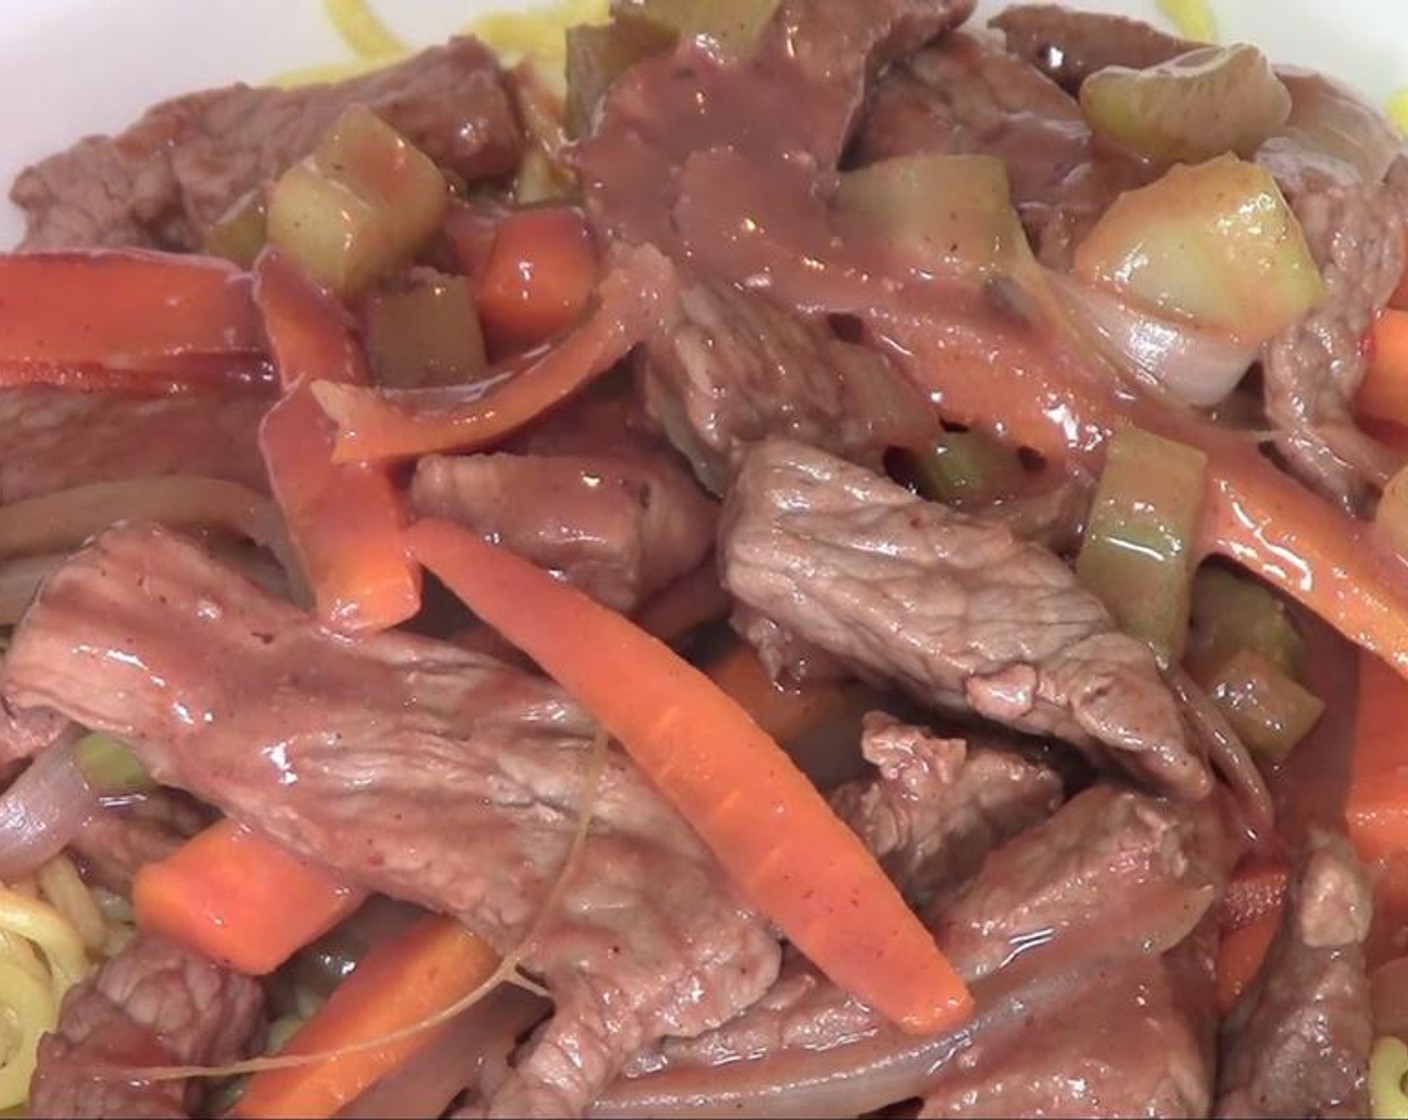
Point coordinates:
[(1268, 710), (1232, 612), (1214, 243), (1191, 108), (428, 334), (1137, 552), (943, 212), (734, 26), (360, 206), (538, 180), (242, 232), (599, 54), (110, 766), (967, 468)]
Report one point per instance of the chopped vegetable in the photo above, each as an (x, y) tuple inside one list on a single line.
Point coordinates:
[(425, 334), (374, 426), (344, 519), (1215, 243), (239, 899), (942, 212), (1383, 394), (1138, 551), (1388, 1074), (242, 232), (360, 206), (1233, 612), (1240, 953), (687, 604), (768, 826), (538, 280), (1269, 711), (1191, 108), (734, 27), (1376, 805), (401, 982), (784, 714), (598, 55), (967, 468), (110, 767)]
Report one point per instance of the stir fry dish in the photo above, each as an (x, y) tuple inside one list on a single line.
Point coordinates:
[(769, 558)]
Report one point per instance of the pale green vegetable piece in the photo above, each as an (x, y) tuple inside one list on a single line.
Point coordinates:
[(1388, 1066), (1214, 243), (110, 767), (1191, 108), (735, 26)]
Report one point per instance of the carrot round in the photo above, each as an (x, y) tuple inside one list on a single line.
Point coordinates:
[(239, 899), (1383, 394), (401, 982), (767, 825)]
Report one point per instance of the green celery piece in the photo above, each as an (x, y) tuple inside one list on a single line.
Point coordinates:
[(734, 26), (1269, 711), (242, 232), (110, 767), (1137, 554), (428, 334), (967, 468), (598, 54), (1233, 612), (1214, 244)]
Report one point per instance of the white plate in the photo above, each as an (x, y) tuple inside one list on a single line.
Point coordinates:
[(73, 67)]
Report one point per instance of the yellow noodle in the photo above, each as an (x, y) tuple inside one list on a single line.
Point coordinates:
[(335, 72), (69, 895), (538, 32), (34, 1009), (1193, 18), (50, 932), (15, 948), (1397, 109), (361, 30)]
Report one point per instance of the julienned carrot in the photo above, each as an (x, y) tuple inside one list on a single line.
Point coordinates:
[(767, 825), (1376, 806), (122, 308), (783, 713), (239, 899), (399, 983), (687, 604), (1240, 953), (1383, 394), (344, 520), (237, 373), (374, 425)]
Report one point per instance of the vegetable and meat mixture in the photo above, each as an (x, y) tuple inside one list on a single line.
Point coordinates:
[(782, 558)]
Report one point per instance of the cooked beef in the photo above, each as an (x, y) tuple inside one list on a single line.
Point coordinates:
[(55, 439), (1068, 45), (937, 806), (24, 733), (789, 660), (1113, 876), (1298, 1043), (620, 527), (957, 610), (965, 96), (1312, 370), (166, 179), (119, 840), (152, 1004), (423, 771)]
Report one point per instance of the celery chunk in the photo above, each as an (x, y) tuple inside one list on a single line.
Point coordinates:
[(1232, 612), (1268, 710), (427, 334), (733, 26), (110, 767)]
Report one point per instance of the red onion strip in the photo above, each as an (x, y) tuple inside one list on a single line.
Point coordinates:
[(44, 808)]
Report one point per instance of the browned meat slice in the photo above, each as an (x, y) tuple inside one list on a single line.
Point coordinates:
[(1069, 45), (739, 368), (152, 1004), (187, 161), (55, 439), (967, 96), (957, 610), (1298, 1043), (119, 840), (937, 806), (620, 527), (420, 770), (1312, 371), (1112, 881), (24, 734)]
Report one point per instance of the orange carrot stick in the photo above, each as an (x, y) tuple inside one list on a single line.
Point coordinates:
[(687, 604), (783, 713), (239, 899), (1240, 954), (1383, 394), (1376, 805), (401, 982), (376, 425), (767, 825), (344, 519)]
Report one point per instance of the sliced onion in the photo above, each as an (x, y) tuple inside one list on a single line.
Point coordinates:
[(1330, 119), (44, 808), (1193, 365)]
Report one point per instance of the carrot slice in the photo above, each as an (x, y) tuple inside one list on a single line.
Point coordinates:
[(344, 520), (1240, 954), (384, 425), (690, 602), (239, 899), (401, 982), (1376, 806), (1383, 394), (122, 308), (767, 825), (237, 373)]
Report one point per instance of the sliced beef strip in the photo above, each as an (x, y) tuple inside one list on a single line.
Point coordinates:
[(966, 95), (956, 610), (417, 769), (1298, 1043), (1069, 45), (165, 180), (119, 840), (152, 1004), (24, 733), (620, 527), (1312, 371), (55, 439), (937, 806)]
